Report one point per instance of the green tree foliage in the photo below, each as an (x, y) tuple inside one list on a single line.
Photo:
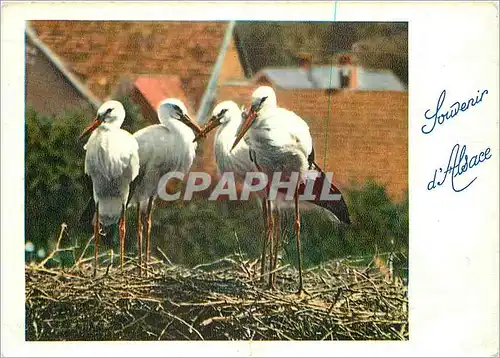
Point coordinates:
[(379, 52), (133, 117), (379, 225), (201, 231), (377, 221), (55, 185)]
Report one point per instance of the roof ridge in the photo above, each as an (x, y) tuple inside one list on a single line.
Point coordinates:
[(57, 62)]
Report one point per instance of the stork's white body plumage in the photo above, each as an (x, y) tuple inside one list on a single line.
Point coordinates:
[(163, 148), (112, 161), (281, 142)]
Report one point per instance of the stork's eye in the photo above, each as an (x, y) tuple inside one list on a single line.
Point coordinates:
[(177, 108), (108, 111), (262, 100), (222, 113)]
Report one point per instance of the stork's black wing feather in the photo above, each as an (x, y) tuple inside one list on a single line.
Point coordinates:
[(310, 159), (336, 207), (134, 183)]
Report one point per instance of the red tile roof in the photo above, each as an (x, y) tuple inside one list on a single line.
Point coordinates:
[(157, 88), (101, 52)]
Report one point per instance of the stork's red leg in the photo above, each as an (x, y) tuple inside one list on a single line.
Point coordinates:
[(139, 236), (148, 230), (297, 232), (270, 233), (96, 238), (264, 241), (122, 233), (277, 233)]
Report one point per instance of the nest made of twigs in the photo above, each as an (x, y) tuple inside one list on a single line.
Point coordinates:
[(222, 302)]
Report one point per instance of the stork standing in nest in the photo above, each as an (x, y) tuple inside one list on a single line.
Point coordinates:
[(163, 148), (227, 118), (280, 142), (112, 161)]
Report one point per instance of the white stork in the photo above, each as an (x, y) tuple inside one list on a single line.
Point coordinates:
[(163, 148), (281, 142), (112, 161), (227, 118)]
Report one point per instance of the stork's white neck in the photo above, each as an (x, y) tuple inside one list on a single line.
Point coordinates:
[(176, 125), (114, 125), (226, 133), (267, 109)]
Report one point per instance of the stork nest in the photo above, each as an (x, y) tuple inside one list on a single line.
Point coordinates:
[(220, 301)]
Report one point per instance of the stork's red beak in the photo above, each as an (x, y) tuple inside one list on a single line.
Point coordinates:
[(211, 125), (95, 123), (250, 117), (191, 124)]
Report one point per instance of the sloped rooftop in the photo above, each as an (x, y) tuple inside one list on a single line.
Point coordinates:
[(157, 88), (101, 52)]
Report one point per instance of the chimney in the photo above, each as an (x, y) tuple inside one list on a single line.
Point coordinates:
[(305, 63), (348, 75)]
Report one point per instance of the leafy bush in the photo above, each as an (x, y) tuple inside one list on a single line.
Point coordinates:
[(201, 231), (378, 225), (377, 221), (55, 185), (133, 117)]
